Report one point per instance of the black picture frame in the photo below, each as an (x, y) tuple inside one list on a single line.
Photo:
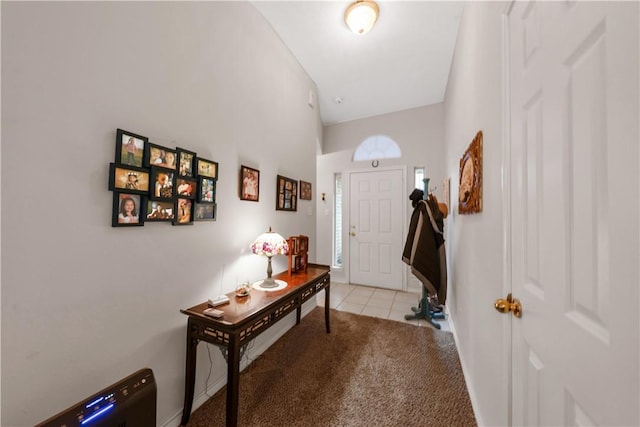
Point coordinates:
[(159, 210), (186, 162), (286, 194), (205, 212), (186, 187), (130, 179), (305, 190), (183, 211), (119, 216), (126, 156), (162, 188), (249, 184), (158, 156), (207, 168), (206, 190)]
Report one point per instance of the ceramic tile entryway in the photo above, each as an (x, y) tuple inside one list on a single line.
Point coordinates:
[(382, 303)]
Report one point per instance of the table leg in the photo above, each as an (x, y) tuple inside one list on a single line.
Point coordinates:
[(190, 374), (298, 314), (327, 308), (233, 381)]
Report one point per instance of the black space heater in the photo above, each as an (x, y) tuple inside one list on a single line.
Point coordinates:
[(131, 402)]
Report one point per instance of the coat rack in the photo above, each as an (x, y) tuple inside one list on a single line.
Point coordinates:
[(423, 310)]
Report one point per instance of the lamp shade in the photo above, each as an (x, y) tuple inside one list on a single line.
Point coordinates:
[(361, 15), (270, 244)]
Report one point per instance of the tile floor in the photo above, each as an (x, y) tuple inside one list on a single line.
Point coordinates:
[(375, 302)]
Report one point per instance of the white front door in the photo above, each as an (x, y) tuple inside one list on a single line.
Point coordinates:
[(376, 201), (573, 105)]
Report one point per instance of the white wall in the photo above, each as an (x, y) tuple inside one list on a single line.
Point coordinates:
[(418, 132), (85, 304), (473, 102)]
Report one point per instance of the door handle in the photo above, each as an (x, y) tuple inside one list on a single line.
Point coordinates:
[(509, 305), (351, 233)]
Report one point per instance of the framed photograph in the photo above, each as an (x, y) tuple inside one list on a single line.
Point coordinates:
[(205, 212), (206, 190), (130, 148), (158, 211), (249, 184), (186, 160), (127, 210), (128, 178), (184, 211), (163, 181), (207, 168), (186, 187), (470, 187), (157, 155), (305, 190), (287, 195)]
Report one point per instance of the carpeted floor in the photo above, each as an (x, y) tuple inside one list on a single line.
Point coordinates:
[(366, 372)]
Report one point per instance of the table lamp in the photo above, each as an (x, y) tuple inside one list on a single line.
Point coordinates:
[(269, 244)]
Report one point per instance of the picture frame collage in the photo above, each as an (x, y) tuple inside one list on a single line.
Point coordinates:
[(287, 194), (154, 183)]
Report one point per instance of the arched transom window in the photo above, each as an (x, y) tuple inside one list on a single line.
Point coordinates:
[(377, 147)]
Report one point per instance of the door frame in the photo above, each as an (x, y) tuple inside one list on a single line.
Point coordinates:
[(507, 349), (346, 218)]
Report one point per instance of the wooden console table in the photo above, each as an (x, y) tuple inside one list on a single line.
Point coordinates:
[(244, 319)]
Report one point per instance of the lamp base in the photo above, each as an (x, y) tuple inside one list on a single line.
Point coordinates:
[(268, 283), (280, 285)]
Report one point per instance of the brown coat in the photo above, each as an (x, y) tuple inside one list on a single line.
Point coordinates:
[(424, 249)]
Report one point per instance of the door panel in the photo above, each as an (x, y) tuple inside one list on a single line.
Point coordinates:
[(375, 229), (573, 107)]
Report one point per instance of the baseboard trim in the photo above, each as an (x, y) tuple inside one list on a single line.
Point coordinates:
[(470, 389)]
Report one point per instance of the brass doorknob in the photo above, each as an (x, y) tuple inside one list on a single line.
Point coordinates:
[(352, 234), (509, 305)]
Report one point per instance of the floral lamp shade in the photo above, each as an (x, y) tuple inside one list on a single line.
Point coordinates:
[(269, 244)]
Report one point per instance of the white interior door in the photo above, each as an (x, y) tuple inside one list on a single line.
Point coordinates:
[(376, 201), (573, 78)]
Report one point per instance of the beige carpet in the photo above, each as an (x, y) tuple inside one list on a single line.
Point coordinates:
[(366, 372)]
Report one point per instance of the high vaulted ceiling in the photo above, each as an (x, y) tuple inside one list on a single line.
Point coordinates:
[(402, 63)]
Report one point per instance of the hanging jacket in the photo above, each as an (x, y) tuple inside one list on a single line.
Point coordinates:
[(424, 250)]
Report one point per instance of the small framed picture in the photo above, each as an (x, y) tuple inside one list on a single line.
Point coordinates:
[(207, 168), (186, 187), (127, 210), (305, 190), (158, 211), (286, 197), (128, 178), (130, 148), (163, 181), (184, 211), (249, 184), (186, 159), (205, 212), (207, 190), (157, 155)]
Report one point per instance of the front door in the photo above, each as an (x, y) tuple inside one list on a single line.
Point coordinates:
[(375, 228), (573, 106)]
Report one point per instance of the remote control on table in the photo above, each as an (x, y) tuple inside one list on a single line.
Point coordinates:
[(213, 312), (220, 300)]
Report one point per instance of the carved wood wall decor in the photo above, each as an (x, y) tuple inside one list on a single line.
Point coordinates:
[(470, 189)]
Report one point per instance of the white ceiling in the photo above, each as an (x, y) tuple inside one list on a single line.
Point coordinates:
[(402, 63)]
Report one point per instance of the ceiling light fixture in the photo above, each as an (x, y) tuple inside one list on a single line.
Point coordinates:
[(361, 15)]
